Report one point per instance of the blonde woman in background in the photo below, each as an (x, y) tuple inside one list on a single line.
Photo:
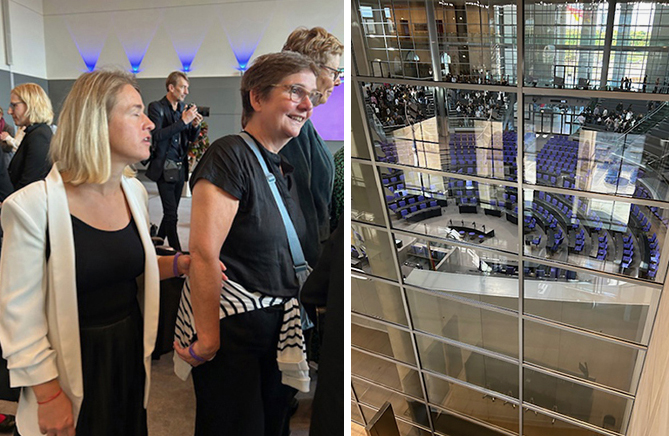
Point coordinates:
[(30, 108)]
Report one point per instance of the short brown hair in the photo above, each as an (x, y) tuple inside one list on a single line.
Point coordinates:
[(268, 70), (317, 43), (81, 145), (173, 78), (38, 105)]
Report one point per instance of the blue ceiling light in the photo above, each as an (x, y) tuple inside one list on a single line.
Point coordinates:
[(89, 37), (244, 28), (187, 40), (136, 36)]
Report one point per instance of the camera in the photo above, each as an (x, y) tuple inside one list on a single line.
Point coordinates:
[(202, 110)]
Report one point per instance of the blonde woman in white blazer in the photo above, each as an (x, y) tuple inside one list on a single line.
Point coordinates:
[(46, 334)]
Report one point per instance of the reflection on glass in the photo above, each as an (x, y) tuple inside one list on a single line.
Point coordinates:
[(464, 210), (377, 299), (537, 424), (461, 131), (477, 42), (584, 357), (600, 304), (410, 430), (382, 339), (359, 147), (371, 252), (464, 323), (577, 401), (355, 414), (403, 407), (396, 38), (477, 369), (564, 44), (610, 236), (466, 272), (471, 403), (598, 145), (386, 373), (365, 202)]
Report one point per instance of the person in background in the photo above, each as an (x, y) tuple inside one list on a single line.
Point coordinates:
[(235, 220), (176, 127), (7, 143), (79, 278), (308, 153), (323, 297), (30, 108)]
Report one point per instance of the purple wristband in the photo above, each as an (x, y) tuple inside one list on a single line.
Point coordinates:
[(193, 355), (175, 270)]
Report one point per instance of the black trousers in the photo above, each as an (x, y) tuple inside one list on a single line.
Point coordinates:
[(170, 195), (239, 392)]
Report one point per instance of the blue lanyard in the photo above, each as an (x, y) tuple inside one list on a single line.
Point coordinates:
[(299, 262)]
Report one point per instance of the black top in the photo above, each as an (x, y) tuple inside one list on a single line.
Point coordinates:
[(107, 265), (256, 250), (31, 161)]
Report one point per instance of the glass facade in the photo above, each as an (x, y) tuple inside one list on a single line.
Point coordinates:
[(510, 195)]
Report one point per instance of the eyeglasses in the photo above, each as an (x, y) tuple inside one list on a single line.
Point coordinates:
[(337, 73), (12, 106), (298, 93)]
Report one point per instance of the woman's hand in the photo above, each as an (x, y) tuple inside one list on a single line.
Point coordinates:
[(185, 355), (183, 266), (54, 416)]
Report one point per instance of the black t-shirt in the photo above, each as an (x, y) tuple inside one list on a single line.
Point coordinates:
[(256, 250), (107, 266)]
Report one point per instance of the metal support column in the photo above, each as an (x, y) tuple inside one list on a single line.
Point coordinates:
[(608, 42)]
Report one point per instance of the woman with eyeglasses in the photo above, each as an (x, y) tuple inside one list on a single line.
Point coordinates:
[(313, 162), (235, 220), (30, 108)]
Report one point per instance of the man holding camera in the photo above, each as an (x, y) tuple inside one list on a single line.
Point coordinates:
[(176, 126)]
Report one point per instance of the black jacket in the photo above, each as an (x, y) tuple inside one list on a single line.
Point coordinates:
[(31, 161), (325, 286), (168, 131)]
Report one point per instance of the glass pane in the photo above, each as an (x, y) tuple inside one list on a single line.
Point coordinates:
[(371, 252), (574, 400), (410, 430), (639, 31), (377, 299), (609, 236), (382, 339), (355, 414), (358, 139), (600, 304), (396, 38), (463, 210), (461, 131), (471, 403), (564, 44), (477, 41), (403, 407), (465, 365), (368, 412), (582, 356), (365, 202), (464, 323), (386, 373), (490, 277), (537, 424), (598, 145)]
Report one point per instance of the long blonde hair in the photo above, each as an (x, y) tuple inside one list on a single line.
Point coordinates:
[(81, 146)]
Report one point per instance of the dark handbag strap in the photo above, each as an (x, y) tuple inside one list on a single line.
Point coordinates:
[(299, 262)]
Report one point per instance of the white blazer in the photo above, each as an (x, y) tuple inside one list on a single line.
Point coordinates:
[(39, 323)]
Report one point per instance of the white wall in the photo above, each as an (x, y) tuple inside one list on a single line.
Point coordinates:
[(27, 39), (168, 26)]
